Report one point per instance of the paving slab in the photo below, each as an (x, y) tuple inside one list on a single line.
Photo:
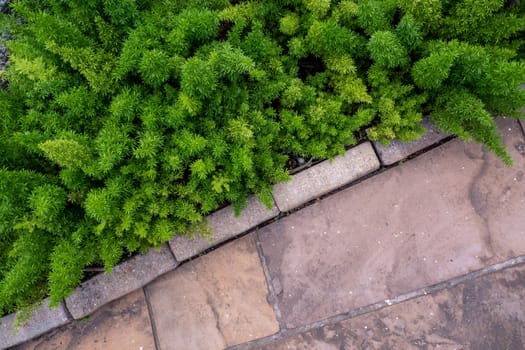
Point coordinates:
[(125, 278), (455, 209), (123, 324), (325, 177), (485, 313), (215, 301), (397, 150), (42, 320), (224, 225)]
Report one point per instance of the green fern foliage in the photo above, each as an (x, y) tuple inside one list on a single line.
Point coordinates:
[(126, 122)]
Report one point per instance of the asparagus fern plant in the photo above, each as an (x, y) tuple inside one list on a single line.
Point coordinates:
[(126, 122)]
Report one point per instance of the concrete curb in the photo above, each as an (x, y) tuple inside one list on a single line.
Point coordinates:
[(125, 278), (326, 176), (142, 269), (42, 321), (398, 150)]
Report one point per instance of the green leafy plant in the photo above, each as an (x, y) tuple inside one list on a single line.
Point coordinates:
[(126, 122)]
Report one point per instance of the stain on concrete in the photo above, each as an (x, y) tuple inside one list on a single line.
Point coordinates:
[(479, 199), (489, 310)]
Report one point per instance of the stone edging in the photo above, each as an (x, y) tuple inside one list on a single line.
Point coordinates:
[(137, 272)]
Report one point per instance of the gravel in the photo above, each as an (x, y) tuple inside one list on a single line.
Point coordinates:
[(4, 6), (4, 52)]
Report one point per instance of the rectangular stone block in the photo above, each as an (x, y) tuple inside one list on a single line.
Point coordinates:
[(43, 320), (455, 209), (325, 177), (213, 302), (398, 150), (224, 225), (125, 278)]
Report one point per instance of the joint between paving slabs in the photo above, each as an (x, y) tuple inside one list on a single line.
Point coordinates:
[(151, 318), (272, 296), (286, 333)]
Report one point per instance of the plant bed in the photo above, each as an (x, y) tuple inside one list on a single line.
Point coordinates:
[(125, 122)]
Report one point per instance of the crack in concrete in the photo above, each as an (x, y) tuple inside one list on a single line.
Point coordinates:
[(216, 315), (151, 315), (273, 294), (287, 333)]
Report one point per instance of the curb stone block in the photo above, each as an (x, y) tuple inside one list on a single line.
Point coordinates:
[(224, 225), (398, 150), (125, 278), (325, 177), (42, 320)]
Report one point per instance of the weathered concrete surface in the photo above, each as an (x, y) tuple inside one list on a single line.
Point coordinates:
[(223, 225), (454, 209), (397, 150), (125, 278), (123, 324), (482, 314), (214, 301), (325, 177), (42, 320)]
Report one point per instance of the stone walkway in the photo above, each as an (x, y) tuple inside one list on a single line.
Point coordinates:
[(427, 254)]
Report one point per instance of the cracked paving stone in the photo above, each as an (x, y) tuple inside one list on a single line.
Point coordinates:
[(214, 301), (123, 324), (481, 314), (454, 209)]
